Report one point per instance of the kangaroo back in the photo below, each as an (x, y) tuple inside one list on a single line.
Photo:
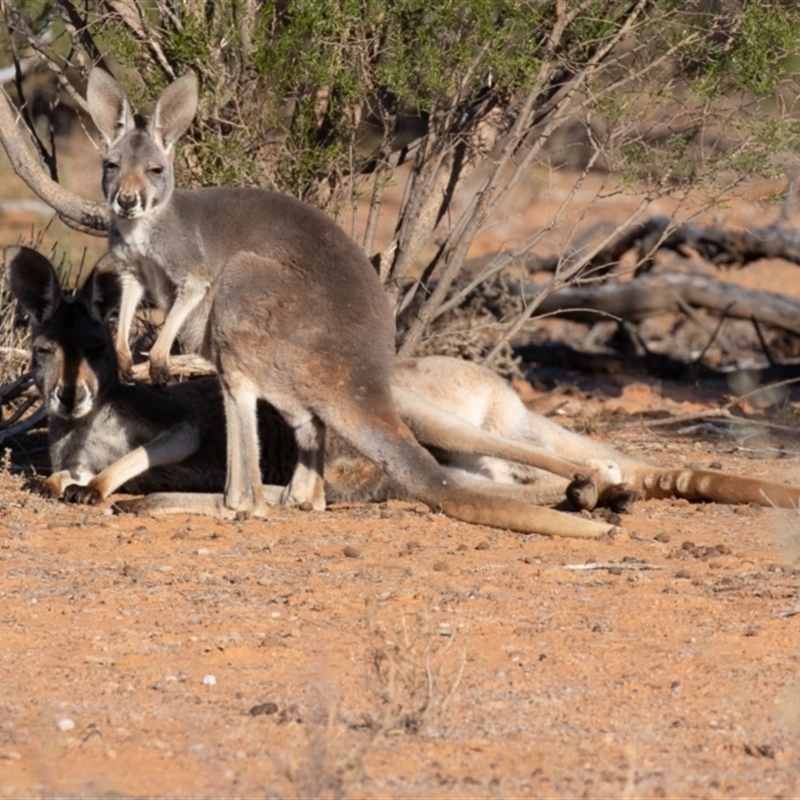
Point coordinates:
[(272, 337)]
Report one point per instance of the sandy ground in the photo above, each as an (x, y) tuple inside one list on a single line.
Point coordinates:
[(383, 651)]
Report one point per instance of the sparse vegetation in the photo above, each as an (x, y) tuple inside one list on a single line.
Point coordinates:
[(413, 670)]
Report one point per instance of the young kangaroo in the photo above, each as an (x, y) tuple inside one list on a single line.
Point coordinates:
[(105, 435), (285, 305)]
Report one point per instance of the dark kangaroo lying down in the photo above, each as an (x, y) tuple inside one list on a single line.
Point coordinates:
[(105, 435)]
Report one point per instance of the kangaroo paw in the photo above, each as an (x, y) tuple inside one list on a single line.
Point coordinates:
[(125, 367), (620, 498), (82, 495), (44, 488), (159, 372), (582, 493)]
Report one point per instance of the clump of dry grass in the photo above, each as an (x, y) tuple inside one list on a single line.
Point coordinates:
[(413, 670)]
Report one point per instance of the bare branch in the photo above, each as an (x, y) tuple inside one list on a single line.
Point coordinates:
[(76, 212)]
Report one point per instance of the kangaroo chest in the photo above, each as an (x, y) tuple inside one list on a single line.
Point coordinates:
[(93, 444)]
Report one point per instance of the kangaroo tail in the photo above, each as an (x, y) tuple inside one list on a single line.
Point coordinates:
[(709, 485)]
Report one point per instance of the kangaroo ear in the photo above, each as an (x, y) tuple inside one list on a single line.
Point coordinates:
[(175, 111), (33, 282), (108, 106), (101, 293)]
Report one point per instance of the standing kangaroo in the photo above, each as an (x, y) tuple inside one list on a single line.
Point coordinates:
[(106, 435)]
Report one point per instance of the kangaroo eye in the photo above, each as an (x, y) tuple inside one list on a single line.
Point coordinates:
[(155, 170), (110, 166), (43, 350)]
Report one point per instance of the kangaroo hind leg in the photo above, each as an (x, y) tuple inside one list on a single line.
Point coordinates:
[(243, 482), (243, 489), (375, 430), (480, 450)]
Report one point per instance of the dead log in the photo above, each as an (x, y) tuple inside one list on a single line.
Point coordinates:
[(717, 245), (669, 292), (550, 359)]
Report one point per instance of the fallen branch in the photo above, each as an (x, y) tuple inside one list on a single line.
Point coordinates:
[(670, 292), (612, 565), (717, 245), (658, 365), (187, 365), (37, 419)]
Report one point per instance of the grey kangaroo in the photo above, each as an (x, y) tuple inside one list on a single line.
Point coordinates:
[(106, 435), (288, 309)]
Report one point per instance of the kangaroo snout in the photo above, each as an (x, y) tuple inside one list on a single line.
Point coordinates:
[(127, 205), (129, 202), (71, 399)]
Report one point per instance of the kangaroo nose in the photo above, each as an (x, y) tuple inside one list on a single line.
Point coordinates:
[(70, 395), (126, 201)]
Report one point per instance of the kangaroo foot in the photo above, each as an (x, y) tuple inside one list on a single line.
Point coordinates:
[(620, 498), (301, 499), (582, 493)]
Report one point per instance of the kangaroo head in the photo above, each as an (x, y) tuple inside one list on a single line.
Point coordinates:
[(73, 360), (138, 173)]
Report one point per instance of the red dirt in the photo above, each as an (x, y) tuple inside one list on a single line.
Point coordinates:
[(385, 651)]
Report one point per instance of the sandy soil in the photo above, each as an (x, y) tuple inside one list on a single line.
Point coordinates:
[(383, 651)]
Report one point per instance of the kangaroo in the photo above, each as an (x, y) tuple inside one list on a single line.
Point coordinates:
[(106, 435), (258, 283), (287, 308)]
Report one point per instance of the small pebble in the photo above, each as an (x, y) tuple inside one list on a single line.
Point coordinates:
[(264, 708), (65, 724), (209, 680)]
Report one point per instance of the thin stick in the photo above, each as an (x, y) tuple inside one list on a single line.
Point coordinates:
[(613, 565)]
